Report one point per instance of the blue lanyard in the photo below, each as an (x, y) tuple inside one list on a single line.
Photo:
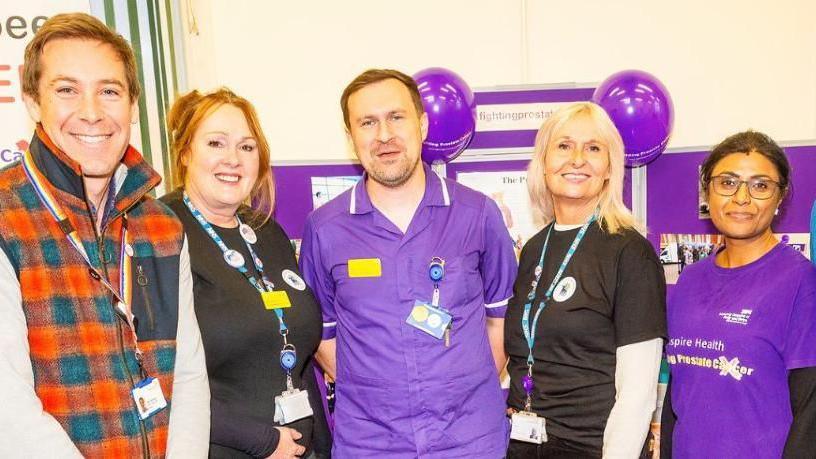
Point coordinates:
[(267, 284), (529, 334)]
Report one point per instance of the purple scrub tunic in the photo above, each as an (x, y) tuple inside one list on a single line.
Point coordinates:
[(401, 393)]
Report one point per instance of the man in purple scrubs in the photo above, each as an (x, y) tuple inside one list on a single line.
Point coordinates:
[(413, 273)]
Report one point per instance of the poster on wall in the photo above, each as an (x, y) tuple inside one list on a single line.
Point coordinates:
[(680, 250), (19, 21), (509, 190), (324, 189)]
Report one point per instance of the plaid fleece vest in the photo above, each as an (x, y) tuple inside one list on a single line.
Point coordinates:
[(81, 351)]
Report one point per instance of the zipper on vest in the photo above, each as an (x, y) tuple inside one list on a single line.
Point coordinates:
[(142, 429), (141, 280), (122, 352), (99, 232)]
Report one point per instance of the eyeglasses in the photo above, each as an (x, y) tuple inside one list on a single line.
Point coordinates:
[(758, 188)]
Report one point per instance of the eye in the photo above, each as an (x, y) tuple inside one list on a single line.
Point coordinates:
[(594, 148), (214, 143), (366, 123), (111, 92), (563, 146), (760, 185), (397, 116), (729, 182), (248, 147), (66, 90)]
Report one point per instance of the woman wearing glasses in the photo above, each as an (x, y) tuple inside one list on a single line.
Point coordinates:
[(742, 323)]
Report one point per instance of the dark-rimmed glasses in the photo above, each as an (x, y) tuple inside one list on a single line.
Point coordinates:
[(758, 188)]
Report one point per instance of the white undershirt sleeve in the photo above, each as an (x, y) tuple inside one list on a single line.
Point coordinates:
[(25, 429), (189, 430), (636, 373)]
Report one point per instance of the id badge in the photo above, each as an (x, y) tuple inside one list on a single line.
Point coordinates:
[(291, 406), (528, 427), (432, 320), (149, 397)]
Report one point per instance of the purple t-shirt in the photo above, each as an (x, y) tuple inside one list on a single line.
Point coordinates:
[(402, 393), (733, 335)]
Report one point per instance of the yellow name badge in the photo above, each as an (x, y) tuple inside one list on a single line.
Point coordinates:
[(364, 267), (276, 299)]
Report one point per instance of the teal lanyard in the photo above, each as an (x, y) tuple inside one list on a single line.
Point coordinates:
[(529, 333), (261, 287)]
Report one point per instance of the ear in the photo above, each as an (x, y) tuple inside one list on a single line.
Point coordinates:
[(185, 157), (33, 108), (423, 125), (134, 112)]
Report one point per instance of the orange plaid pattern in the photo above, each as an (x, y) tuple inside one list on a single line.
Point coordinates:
[(83, 375)]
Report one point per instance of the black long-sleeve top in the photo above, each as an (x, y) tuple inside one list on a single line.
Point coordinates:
[(242, 342)]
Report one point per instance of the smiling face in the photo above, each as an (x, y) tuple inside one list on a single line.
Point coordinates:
[(576, 162), (83, 103), (386, 131), (222, 163), (741, 216)]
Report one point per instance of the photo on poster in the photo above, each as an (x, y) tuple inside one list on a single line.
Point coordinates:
[(680, 250), (324, 189), (508, 190)]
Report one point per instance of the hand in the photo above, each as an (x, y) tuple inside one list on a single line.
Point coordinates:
[(287, 448)]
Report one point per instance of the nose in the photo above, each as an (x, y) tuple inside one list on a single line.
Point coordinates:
[(231, 157), (577, 158), (384, 133), (90, 109), (742, 196)]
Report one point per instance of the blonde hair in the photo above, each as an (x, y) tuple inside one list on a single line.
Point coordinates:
[(613, 214), (184, 119)]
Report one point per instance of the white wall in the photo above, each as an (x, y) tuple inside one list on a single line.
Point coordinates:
[(728, 64)]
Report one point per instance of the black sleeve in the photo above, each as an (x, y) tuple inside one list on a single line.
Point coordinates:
[(255, 438), (640, 294), (667, 421), (321, 436), (802, 384)]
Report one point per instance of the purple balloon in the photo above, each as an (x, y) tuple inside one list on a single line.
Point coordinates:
[(642, 110), (451, 110)]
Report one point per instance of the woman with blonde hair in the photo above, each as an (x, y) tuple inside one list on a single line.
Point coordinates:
[(260, 323), (585, 327)]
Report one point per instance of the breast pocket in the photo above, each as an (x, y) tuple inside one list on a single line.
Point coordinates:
[(459, 289), (155, 298)]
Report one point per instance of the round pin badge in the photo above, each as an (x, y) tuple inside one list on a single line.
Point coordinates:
[(294, 281), (538, 270), (565, 289), (419, 313), (129, 250), (434, 321), (234, 258), (247, 233)]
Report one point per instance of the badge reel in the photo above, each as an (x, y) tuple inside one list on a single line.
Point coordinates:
[(432, 318), (292, 404), (148, 397), (526, 426)]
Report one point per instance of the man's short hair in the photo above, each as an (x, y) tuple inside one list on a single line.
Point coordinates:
[(372, 76), (77, 26)]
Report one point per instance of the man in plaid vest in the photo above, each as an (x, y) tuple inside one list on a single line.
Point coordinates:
[(100, 352)]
